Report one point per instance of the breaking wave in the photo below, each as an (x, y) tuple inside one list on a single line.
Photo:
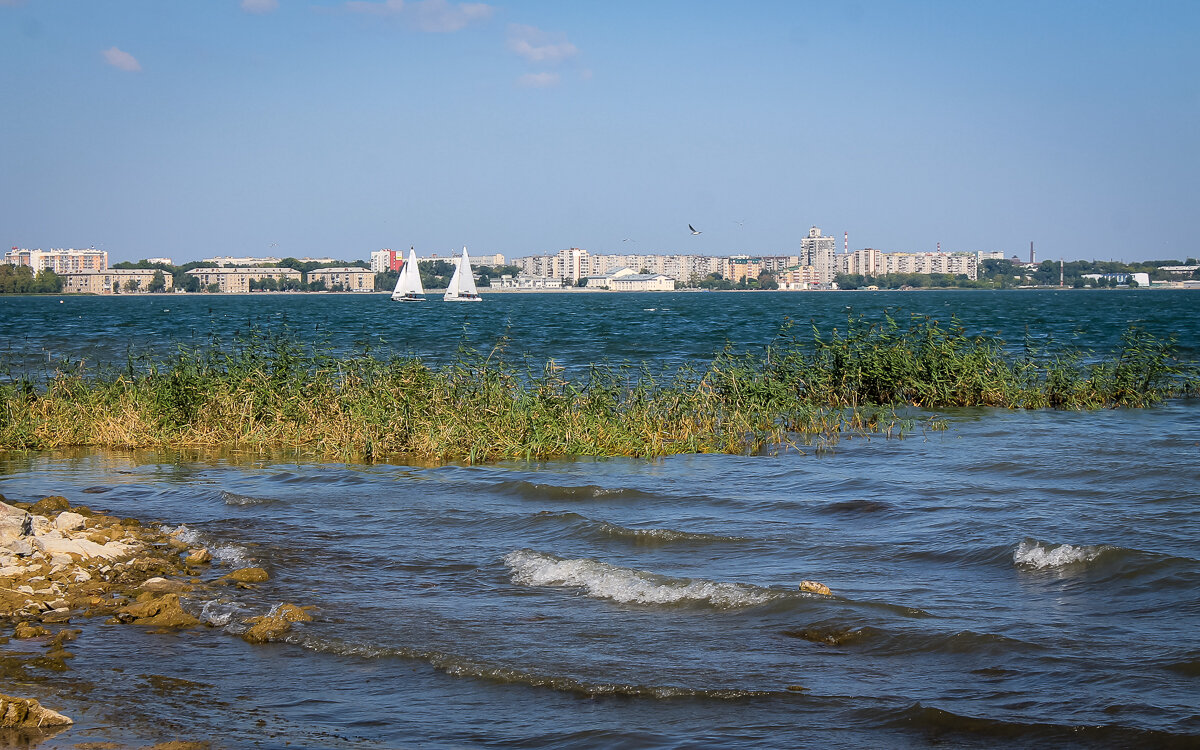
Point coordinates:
[(659, 536), (648, 537), (1031, 554), (233, 498), (226, 554), (628, 586), (540, 491)]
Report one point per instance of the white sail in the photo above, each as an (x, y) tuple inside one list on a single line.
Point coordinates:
[(408, 286), (452, 290), (462, 283)]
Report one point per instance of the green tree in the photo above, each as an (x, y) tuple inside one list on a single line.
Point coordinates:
[(386, 281), (158, 282)]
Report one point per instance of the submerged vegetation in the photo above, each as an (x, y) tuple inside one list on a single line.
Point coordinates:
[(271, 391)]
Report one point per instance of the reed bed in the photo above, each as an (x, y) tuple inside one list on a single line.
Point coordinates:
[(267, 391)]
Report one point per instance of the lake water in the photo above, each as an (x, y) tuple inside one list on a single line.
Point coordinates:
[(1024, 578)]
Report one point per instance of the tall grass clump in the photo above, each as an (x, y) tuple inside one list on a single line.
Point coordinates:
[(272, 391)]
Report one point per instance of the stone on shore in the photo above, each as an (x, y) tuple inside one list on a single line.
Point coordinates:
[(27, 713), (69, 521), (50, 506), (164, 611), (159, 585), (271, 626), (200, 556), (14, 523), (247, 575)]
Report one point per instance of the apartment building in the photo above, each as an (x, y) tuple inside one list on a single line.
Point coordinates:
[(113, 281), (799, 278), (927, 263), (820, 252), (237, 280), (868, 262), (386, 260), (61, 261), (351, 279)]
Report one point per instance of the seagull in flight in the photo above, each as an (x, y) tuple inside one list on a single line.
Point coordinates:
[(694, 230)]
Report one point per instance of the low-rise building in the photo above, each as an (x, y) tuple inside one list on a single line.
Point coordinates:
[(605, 280), (643, 282), (237, 280), (114, 281), (350, 279), (229, 260), (527, 282), (1140, 279), (799, 278)]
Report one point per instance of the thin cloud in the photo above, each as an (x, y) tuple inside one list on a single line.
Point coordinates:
[(121, 60), (538, 46), (260, 6), (538, 80), (425, 15)]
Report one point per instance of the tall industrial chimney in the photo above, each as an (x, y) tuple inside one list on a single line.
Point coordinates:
[(1031, 256)]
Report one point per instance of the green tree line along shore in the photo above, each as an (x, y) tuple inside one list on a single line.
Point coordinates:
[(272, 393), (435, 274)]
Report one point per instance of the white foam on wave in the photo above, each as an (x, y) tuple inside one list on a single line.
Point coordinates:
[(218, 612), (1039, 556), (233, 498), (627, 586), (228, 554)]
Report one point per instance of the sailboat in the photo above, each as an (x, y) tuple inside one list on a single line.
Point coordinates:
[(462, 283), (408, 286)]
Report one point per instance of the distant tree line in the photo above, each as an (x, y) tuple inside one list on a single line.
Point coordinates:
[(765, 280), (436, 273), (21, 280), (1004, 274), (181, 279)]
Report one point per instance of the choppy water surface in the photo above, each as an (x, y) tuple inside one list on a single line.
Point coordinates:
[(1024, 578), (573, 329)]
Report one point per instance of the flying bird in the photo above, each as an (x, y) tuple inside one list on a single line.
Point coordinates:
[(694, 230)]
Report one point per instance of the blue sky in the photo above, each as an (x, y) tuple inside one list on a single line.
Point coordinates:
[(315, 127)]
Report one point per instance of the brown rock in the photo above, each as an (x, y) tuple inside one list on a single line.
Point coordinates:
[(247, 575), (27, 713), (164, 611), (271, 626), (199, 556), (26, 630), (164, 586), (813, 587), (50, 506)]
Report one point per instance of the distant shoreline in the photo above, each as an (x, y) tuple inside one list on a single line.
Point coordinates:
[(584, 290)]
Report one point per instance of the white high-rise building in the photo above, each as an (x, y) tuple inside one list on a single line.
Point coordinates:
[(820, 252), (60, 261)]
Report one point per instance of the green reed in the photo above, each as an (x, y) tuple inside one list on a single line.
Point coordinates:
[(270, 391)]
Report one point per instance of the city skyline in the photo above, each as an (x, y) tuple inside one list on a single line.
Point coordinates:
[(280, 128)]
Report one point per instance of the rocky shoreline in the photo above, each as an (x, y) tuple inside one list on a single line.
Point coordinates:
[(59, 563)]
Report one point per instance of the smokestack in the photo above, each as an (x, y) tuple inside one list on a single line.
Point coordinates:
[(847, 242), (1031, 260)]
